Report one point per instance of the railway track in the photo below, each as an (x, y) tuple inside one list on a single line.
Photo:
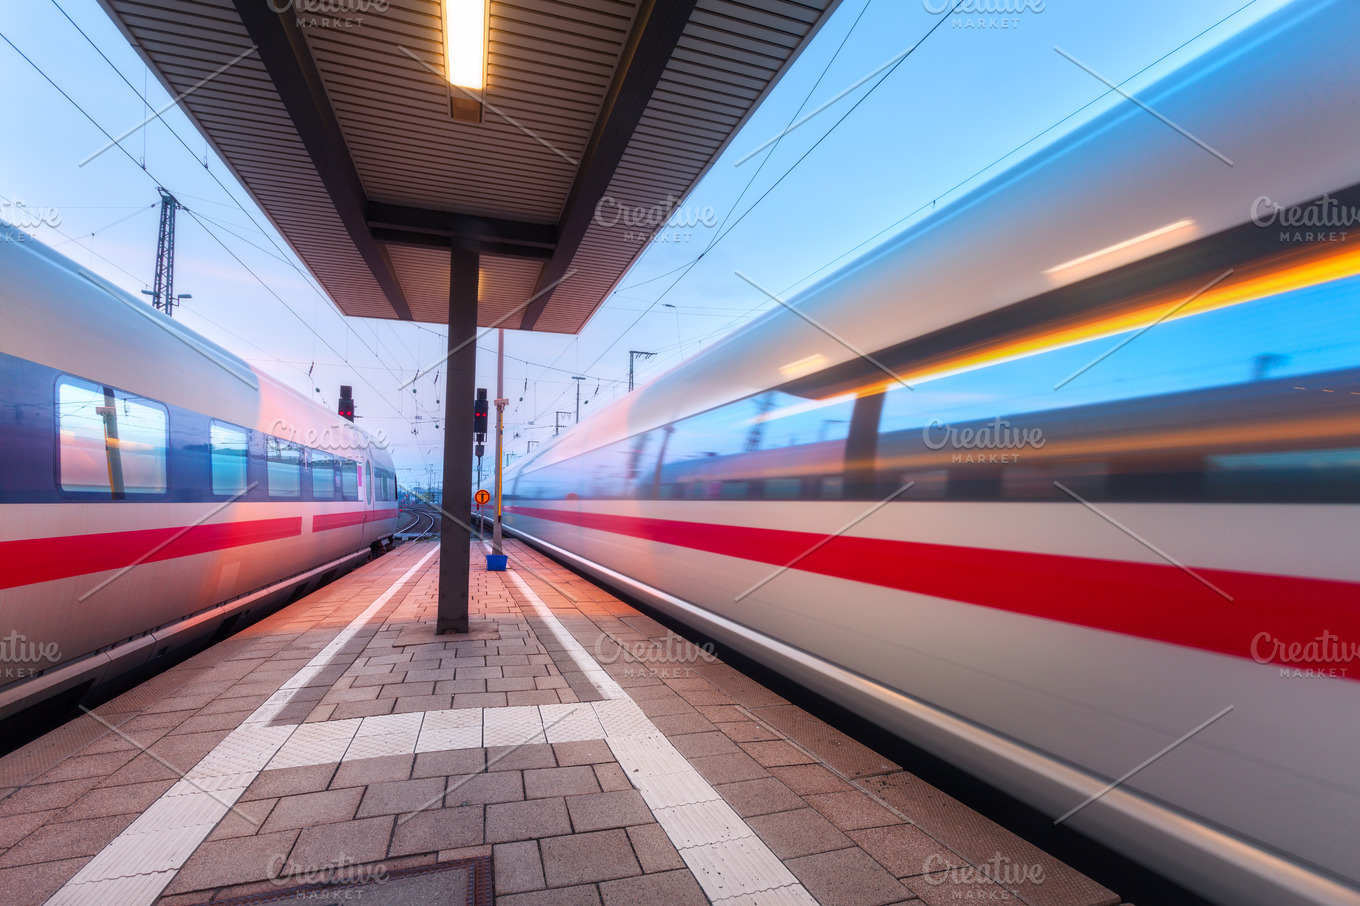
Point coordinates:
[(422, 523)]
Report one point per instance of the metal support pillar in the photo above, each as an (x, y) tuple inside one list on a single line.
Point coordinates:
[(461, 368), (501, 402)]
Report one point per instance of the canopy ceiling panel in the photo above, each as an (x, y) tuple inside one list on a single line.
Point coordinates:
[(339, 126), (503, 284)]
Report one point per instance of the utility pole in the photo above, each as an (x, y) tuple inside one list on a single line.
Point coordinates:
[(501, 402), (578, 381), (632, 357), (163, 289), (557, 427)]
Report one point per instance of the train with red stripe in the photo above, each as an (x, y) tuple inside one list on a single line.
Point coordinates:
[(1062, 483), (156, 491)]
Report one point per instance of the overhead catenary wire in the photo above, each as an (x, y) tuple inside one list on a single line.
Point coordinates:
[(933, 202), (141, 210), (193, 214), (146, 102), (723, 230), (282, 301), (281, 256)]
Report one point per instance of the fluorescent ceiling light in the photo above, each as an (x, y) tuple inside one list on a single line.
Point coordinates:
[(465, 43), (1132, 249)]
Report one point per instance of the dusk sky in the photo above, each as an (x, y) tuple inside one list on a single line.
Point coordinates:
[(960, 108)]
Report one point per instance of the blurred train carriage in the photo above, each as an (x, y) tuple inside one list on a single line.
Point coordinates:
[(1067, 506)]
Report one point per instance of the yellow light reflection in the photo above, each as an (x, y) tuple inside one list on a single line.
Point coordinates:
[(1120, 253), (805, 365), (1258, 281)]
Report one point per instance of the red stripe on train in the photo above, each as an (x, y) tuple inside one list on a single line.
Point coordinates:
[(325, 521), (30, 560), (1148, 600)]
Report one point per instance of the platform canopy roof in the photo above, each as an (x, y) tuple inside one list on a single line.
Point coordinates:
[(337, 117)]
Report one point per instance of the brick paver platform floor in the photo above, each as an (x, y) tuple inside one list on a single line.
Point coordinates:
[(593, 755)]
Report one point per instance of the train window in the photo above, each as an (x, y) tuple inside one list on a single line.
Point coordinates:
[(284, 472), (783, 488), (1241, 399), (349, 479), (733, 490), (230, 446), (323, 476), (112, 444), (368, 480)]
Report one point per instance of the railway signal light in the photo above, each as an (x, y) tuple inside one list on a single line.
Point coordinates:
[(346, 407), (479, 412)]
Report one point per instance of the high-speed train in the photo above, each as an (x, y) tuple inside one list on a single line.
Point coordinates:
[(1061, 478), (156, 492)]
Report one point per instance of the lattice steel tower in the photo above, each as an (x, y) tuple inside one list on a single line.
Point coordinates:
[(163, 290)]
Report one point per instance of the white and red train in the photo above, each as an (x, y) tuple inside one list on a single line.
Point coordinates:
[(155, 490), (1094, 484)]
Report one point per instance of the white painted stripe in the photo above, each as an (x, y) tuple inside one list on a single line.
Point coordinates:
[(276, 702), (792, 895), (386, 734), (572, 648), (737, 868), (315, 742), (570, 723), (137, 865), (725, 855), (442, 730), (732, 864), (512, 726)]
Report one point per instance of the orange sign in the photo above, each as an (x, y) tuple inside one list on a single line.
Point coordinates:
[(483, 497)]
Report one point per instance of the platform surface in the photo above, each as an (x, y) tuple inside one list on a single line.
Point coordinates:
[(581, 749)]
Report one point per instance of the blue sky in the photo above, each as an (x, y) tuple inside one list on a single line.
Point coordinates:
[(964, 105)]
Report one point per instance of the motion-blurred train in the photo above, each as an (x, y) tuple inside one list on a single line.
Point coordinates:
[(156, 492), (1063, 477)]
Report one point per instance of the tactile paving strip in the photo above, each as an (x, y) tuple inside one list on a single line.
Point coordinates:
[(136, 866), (729, 861)]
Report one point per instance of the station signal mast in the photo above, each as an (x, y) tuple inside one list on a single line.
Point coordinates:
[(162, 291), (480, 411)]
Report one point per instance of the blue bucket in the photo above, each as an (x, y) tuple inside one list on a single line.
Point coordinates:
[(496, 562)]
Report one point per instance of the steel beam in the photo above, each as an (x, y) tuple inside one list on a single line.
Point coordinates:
[(455, 225), (656, 32), (286, 58), (461, 385), (390, 236)]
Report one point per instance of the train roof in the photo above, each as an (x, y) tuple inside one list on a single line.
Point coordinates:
[(1019, 235), (61, 314)]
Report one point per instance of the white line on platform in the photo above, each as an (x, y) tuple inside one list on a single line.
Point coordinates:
[(574, 650), (732, 865), (139, 863)]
